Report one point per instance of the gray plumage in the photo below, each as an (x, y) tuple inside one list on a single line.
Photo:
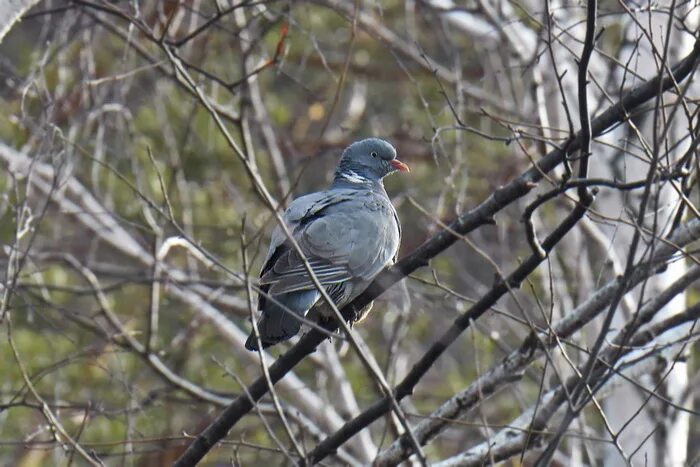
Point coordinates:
[(348, 234)]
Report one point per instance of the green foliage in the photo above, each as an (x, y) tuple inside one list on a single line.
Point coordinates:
[(97, 97)]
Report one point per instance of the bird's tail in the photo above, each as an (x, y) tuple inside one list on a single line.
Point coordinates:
[(280, 317)]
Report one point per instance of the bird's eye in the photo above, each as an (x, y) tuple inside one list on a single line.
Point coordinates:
[(373, 154)]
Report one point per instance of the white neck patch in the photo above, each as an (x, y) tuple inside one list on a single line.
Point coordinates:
[(353, 177)]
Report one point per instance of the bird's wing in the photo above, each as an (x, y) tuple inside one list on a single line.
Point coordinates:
[(344, 235), (300, 211)]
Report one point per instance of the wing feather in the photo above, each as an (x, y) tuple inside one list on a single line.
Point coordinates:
[(344, 234)]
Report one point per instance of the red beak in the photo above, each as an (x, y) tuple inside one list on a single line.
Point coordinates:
[(398, 165)]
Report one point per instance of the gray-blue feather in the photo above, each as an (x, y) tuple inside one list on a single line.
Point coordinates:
[(348, 234)]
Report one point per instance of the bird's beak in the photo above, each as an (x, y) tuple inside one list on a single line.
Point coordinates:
[(398, 165)]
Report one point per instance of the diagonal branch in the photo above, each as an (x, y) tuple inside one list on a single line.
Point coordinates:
[(477, 217), (513, 366), (76, 202), (527, 431)]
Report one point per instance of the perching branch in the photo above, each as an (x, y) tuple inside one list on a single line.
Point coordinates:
[(477, 217)]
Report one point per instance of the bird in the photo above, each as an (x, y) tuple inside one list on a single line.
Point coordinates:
[(347, 233)]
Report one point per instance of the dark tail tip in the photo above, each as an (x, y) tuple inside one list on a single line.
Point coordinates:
[(252, 343)]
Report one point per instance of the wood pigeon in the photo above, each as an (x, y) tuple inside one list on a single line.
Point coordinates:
[(348, 234)]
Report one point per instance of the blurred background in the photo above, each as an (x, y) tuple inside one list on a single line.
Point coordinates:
[(135, 137)]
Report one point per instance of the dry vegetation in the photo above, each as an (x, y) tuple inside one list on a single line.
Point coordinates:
[(545, 301)]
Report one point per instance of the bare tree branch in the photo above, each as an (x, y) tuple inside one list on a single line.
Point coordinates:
[(481, 215)]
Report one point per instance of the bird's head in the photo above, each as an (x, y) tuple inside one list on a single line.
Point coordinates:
[(368, 161)]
